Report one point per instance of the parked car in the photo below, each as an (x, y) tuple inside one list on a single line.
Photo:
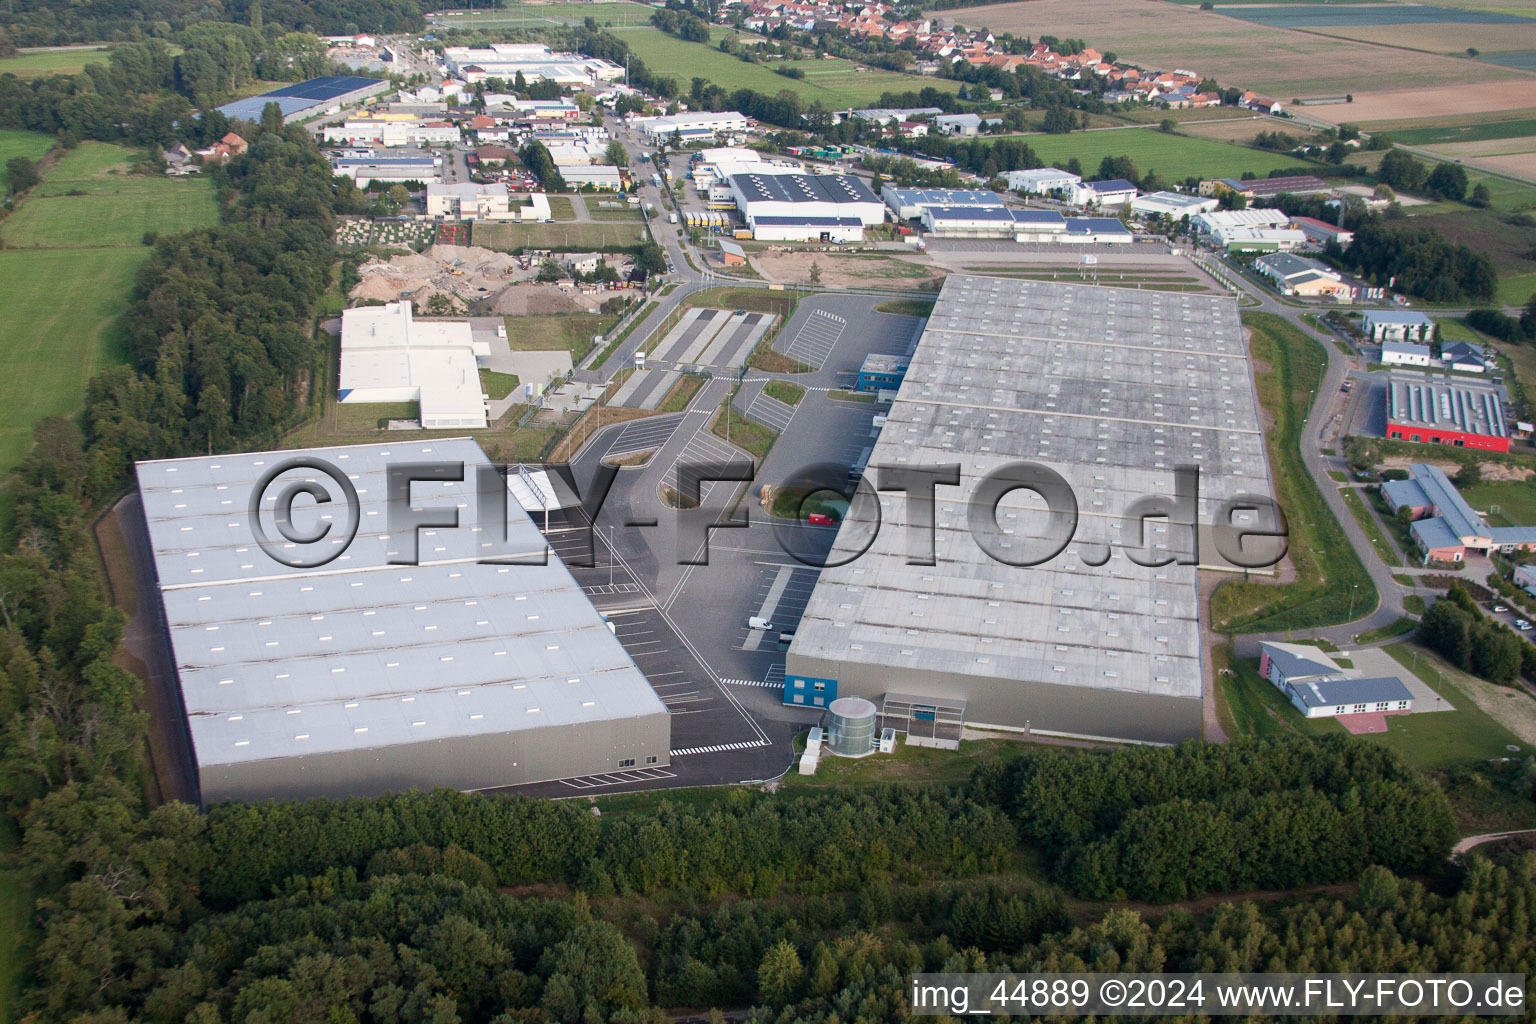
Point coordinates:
[(1522, 625), (820, 519), (1501, 608)]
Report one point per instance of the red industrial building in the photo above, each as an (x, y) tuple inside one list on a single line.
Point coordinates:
[(1441, 411)]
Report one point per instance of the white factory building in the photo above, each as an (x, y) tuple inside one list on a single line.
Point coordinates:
[(1042, 180), (806, 207), (366, 167), (909, 203), (534, 61), (392, 130), (389, 356), (719, 163), (1105, 195), (692, 126), (1172, 204), (1207, 223)]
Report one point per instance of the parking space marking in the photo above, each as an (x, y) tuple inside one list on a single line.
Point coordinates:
[(817, 337), (770, 412), (719, 747), (764, 683), (604, 589), (618, 778)]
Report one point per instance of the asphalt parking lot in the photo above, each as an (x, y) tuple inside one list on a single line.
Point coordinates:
[(683, 614)]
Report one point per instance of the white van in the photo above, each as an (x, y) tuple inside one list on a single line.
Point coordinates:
[(758, 622)]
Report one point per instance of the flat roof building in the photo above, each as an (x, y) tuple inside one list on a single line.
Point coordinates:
[(306, 99), (1442, 410), (775, 201), (1172, 204), (359, 677), (1107, 194), (701, 124), (1397, 325), (395, 168), (1404, 353), (1041, 180), (909, 203), (389, 356), (1111, 389)]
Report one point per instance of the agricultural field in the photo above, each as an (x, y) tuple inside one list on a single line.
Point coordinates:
[(89, 200), (15, 143), (569, 236), (1455, 134), (37, 63), (1521, 60), (616, 15), (1408, 26), (64, 295), (835, 82), (1281, 61), (1173, 156), (59, 328)]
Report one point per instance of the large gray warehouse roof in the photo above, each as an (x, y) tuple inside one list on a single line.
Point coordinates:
[(359, 654), (802, 188), (1110, 388)]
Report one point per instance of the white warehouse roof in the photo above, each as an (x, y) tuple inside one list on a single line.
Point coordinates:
[(358, 654), (389, 356)]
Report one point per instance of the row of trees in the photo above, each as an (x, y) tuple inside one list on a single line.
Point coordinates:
[(48, 24), (1167, 824), (1499, 324), (1464, 636), (1420, 262)]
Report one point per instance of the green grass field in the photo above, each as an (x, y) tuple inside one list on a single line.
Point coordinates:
[(606, 14), (1327, 569), (63, 297), (1173, 157), (1516, 289), (1480, 132), (543, 332), (61, 306), (568, 236), (1516, 502), (835, 82), (52, 62), (17, 143), (116, 209)]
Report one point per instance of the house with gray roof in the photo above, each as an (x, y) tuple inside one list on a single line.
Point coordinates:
[(1319, 687)]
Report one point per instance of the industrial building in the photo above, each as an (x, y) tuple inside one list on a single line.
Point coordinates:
[(534, 61), (692, 127), (1396, 325), (599, 176), (1404, 353), (1110, 388), (389, 356), (882, 371), (1214, 220), (367, 166), (475, 201), (1242, 239), (1443, 410), (1172, 204), (1042, 180), (1301, 275), (1106, 195), (971, 221), (1266, 188), (392, 129), (359, 677), (806, 207), (306, 99), (1321, 232), (909, 203)]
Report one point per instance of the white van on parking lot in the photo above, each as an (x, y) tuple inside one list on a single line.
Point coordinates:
[(758, 622)]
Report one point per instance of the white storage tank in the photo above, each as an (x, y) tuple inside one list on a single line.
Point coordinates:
[(851, 727)]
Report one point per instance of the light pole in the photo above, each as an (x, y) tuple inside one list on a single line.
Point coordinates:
[(1352, 601), (610, 555)]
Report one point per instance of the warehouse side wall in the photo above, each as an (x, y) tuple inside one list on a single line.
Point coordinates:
[(464, 763), (1013, 704)]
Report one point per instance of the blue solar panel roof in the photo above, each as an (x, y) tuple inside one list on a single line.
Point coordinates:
[(327, 88)]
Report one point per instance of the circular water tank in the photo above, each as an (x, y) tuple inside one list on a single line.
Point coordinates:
[(851, 727)]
